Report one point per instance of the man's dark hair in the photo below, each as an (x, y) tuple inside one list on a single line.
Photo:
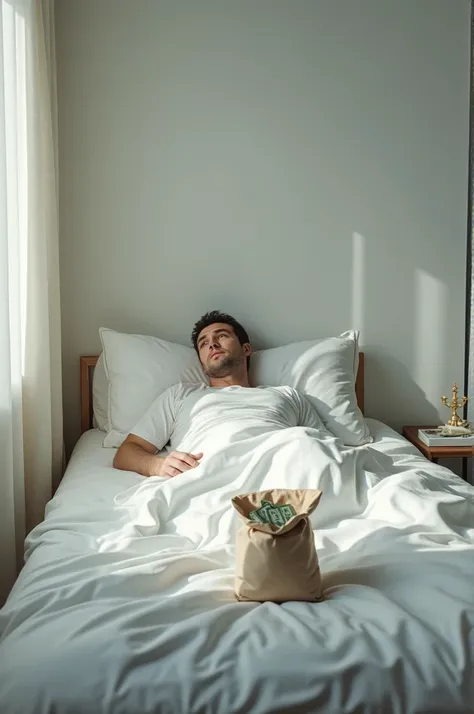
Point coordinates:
[(217, 316)]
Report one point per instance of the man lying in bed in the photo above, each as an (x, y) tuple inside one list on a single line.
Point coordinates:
[(186, 414)]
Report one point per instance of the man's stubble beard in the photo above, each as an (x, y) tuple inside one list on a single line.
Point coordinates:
[(228, 366)]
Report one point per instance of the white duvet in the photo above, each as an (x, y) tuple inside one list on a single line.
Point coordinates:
[(126, 605)]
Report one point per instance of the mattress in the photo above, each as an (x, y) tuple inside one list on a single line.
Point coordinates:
[(126, 601)]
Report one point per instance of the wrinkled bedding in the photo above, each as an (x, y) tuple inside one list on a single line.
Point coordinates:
[(126, 602)]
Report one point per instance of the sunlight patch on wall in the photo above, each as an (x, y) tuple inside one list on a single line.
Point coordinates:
[(430, 323), (358, 281)]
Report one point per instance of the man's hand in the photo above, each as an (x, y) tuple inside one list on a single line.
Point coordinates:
[(140, 456), (178, 462)]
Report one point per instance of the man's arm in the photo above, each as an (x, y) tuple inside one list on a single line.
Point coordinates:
[(307, 413), (139, 455)]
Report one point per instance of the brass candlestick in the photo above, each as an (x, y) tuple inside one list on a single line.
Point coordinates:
[(456, 404)]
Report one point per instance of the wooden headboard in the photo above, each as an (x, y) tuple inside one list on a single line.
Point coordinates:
[(87, 370)]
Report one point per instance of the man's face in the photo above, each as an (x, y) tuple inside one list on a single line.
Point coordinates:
[(220, 351)]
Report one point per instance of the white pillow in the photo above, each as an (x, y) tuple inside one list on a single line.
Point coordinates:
[(139, 369), (100, 395), (325, 371)]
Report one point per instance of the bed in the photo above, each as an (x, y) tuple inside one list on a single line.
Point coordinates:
[(126, 602)]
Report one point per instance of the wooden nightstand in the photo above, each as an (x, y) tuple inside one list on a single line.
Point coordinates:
[(433, 453)]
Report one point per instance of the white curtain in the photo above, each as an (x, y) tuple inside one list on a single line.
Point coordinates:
[(31, 443), (470, 286)]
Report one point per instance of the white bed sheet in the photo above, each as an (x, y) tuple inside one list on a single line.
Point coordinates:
[(126, 605)]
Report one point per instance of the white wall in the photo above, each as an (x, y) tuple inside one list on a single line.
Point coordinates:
[(301, 164)]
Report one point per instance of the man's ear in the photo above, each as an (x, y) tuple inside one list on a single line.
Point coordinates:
[(247, 349)]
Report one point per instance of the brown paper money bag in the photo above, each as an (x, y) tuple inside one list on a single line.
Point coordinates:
[(276, 556)]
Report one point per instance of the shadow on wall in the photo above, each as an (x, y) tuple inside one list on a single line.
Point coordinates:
[(388, 382), (407, 309)]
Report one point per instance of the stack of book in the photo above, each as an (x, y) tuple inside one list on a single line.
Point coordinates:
[(436, 437)]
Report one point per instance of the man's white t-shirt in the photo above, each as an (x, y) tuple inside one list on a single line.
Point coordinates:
[(189, 415)]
